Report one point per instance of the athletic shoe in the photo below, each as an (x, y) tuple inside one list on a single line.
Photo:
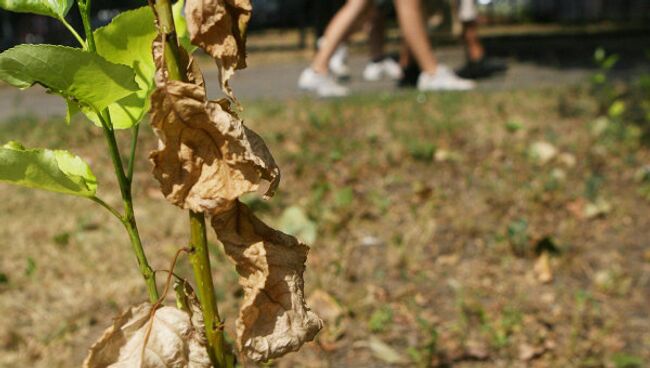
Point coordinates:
[(385, 68), (323, 84), (338, 64), (482, 68), (443, 80), (410, 76)]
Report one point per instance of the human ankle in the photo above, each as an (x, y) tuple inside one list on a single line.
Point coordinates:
[(377, 58), (475, 54), (320, 70), (431, 69)]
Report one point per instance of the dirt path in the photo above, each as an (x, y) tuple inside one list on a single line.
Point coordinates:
[(277, 80), (273, 76)]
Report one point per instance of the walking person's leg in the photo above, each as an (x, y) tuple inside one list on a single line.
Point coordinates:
[(433, 76), (322, 13), (380, 65), (316, 77), (337, 30), (411, 22), (477, 65), (376, 33)]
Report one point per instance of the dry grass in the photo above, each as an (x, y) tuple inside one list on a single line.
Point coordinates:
[(428, 209)]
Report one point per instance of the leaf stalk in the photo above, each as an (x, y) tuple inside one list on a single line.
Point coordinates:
[(110, 209), (74, 33)]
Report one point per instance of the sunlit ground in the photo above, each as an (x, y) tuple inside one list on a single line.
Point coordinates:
[(477, 229)]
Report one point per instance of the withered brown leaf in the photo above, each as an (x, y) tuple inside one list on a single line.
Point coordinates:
[(206, 157), (273, 318), (219, 28), (175, 340)]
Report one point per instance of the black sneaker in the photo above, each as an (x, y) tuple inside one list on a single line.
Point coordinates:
[(483, 68), (410, 76)]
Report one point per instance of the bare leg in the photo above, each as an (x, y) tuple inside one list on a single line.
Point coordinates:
[(478, 65), (404, 55), (377, 34), (473, 47), (336, 32), (409, 13)]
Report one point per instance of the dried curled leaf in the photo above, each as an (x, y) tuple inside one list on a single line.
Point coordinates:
[(176, 340), (273, 319), (219, 28), (206, 157)]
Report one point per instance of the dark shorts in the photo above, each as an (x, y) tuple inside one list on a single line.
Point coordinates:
[(384, 4)]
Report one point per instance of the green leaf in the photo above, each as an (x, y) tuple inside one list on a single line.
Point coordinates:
[(616, 110), (599, 55), (181, 27), (127, 40), (73, 73), (53, 170), (51, 8), (610, 61)]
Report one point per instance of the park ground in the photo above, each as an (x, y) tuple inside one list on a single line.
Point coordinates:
[(504, 227)]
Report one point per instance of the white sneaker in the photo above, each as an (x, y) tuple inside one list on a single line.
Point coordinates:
[(338, 64), (387, 67), (443, 80), (323, 84)]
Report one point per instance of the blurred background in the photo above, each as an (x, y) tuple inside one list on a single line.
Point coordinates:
[(506, 226), (299, 14)]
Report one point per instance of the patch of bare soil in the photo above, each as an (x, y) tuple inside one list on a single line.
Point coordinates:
[(504, 229)]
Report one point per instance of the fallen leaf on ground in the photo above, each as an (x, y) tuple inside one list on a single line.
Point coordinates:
[(273, 318), (567, 159), (528, 352), (597, 208), (176, 340), (385, 352), (544, 248), (325, 306), (335, 324), (477, 349), (542, 152)]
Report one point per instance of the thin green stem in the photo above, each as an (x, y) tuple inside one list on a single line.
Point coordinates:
[(134, 235), (165, 18), (84, 9), (74, 32), (110, 209), (128, 219), (200, 260), (134, 145)]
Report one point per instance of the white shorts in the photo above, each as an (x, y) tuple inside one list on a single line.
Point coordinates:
[(467, 11)]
